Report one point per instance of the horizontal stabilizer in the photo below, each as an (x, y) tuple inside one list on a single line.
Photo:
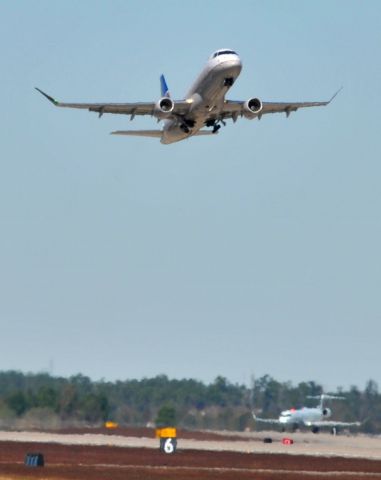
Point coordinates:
[(139, 133)]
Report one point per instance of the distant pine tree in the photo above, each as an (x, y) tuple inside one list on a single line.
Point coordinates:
[(166, 417)]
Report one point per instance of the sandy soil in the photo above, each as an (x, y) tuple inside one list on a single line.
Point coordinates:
[(100, 456)]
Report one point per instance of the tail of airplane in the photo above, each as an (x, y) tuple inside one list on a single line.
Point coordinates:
[(164, 90), (326, 396)]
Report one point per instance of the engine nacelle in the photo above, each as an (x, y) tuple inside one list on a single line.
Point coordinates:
[(164, 107), (252, 107), (326, 412)]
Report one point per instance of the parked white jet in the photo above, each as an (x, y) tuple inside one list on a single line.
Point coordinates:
[(203, 105), (314, 418)]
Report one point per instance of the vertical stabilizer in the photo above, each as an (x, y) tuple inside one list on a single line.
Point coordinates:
[(164, 87)]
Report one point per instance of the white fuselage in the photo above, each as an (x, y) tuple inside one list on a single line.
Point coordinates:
[(206, 95), (303, 416)]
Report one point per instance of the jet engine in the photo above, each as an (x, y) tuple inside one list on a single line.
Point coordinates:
[(326, 412), (252, 107), (164, 107)]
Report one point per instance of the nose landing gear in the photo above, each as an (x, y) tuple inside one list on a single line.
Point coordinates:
[(228, 82)]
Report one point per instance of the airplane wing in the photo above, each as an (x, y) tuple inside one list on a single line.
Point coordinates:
[(233, 108), (139, 133), (265, 420), (332, 423), (138, 108), (155, 133)]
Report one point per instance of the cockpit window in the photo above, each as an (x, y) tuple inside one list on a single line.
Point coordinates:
[(224, 52)]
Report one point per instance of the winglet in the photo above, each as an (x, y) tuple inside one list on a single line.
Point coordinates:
[(51, 99), (164, 87), (334, 95)]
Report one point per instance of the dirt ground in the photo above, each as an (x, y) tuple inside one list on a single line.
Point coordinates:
[(111, 462)]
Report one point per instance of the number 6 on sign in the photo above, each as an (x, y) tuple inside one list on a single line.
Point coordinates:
[(168, 445)]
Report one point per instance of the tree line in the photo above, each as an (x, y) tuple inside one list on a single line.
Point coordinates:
[(55, 402)]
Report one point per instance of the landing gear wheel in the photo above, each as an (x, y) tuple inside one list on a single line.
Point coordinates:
[(228, 82), (189, 123), (184, 128), (216, 128)]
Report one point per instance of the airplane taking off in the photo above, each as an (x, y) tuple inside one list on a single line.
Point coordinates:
[(204, 104), (314, 418)]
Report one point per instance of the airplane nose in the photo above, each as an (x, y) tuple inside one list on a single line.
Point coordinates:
[(238, 62), (235, 64)]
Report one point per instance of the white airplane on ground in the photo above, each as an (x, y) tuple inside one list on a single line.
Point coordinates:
[(203, 106), (314, 418)]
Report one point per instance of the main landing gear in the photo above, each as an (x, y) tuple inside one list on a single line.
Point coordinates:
[(184, 128), (215, 124), (187, 125)]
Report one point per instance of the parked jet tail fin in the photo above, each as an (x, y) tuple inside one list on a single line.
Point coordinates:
[(164, 90), (139, 133)]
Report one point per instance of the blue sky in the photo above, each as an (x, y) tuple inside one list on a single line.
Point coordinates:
[(256, 251)]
